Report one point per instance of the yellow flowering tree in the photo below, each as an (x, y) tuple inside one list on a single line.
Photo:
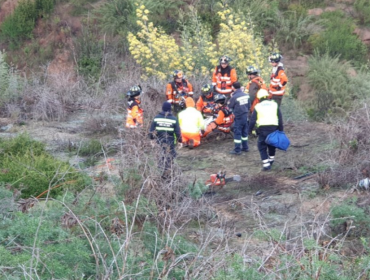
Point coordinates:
[(154, 50), (197, 48), (237, 40), (196, 53)]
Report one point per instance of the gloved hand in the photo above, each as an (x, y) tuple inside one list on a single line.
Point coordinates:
[(202, 132), (254, 133), (179, 140), (278, 88)]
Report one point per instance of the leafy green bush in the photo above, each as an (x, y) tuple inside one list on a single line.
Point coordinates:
[(362, 7), (89, 53), (295, 27), (334, 88), (9, 81), (338, 38), (26, 165), (348, 210), (20, 24), (117, 17), (90, 148)]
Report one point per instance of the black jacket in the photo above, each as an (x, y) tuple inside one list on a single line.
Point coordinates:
[(165, 128), (239, 103)]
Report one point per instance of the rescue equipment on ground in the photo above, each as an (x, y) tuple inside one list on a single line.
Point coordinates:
[(219, 179)]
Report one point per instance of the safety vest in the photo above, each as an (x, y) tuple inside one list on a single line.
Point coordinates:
[(267, 113), (191, 120)]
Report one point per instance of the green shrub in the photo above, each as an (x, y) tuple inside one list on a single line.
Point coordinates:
[(117, 17), (26, 165), (89, 53), (294, 28), (20, 24), (362, 7), (328, 77), (338, 38), (348, 210), (90, 148)]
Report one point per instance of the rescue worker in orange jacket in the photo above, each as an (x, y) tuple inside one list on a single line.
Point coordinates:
[(254, 85), (206, 102), (278, 79), (178, 90), (224, 76), (134, 110), (224, 116)]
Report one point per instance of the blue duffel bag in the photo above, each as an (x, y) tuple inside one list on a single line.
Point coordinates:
[(278, 139)]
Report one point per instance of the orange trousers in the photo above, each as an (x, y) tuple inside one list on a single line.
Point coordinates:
[(186, 136)]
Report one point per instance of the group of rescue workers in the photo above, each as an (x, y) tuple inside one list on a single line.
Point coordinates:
[(223, 106)]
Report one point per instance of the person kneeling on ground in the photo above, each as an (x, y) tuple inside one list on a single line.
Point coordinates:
[(191, 123), (224, 116), (267, 118)]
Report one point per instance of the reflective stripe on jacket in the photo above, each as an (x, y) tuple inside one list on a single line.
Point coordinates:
[(223, 79), (165, 128), (191, 120), (134, 115), (267, 113), (278, 80), (175, 91)]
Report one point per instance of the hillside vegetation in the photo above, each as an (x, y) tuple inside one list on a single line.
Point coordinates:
[(82, 198)]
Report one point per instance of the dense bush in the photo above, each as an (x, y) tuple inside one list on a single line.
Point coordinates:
[(334, 87), (362, 7), (26, 165), (20, 24), (338, 38)]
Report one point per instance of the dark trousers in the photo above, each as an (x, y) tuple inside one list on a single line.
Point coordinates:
[(265, 149), (168, 154), (277, 99), (241, 132)]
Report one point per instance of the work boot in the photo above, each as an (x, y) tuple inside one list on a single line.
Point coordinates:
[(271, 159), (191, 144), (233, 152), (266, 168), (266, 165), (245, 150)]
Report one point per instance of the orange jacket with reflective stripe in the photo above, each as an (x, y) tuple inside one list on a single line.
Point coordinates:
[(205, 105), (223, 79), (134, 114), (174, 91), (222, 119), (278, 80)]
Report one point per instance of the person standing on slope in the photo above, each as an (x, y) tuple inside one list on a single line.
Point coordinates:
[(224, 76), (267, 118), (239, 105), (278, 78), (134, 111)]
